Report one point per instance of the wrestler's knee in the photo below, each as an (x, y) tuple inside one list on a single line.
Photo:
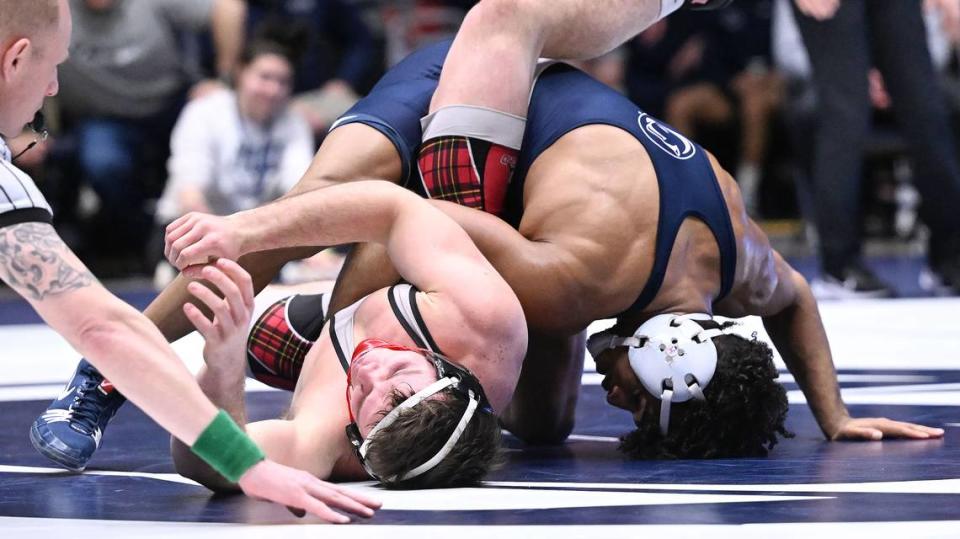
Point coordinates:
[(491, 12), (496, 17), (189, 466), (538, 428)]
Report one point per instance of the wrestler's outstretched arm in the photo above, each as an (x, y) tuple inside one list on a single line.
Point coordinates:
[(348, 152), (223, 375), (36, 263), (772, 289), (426, 247), (565, 278), (412, 230), (222, 380)]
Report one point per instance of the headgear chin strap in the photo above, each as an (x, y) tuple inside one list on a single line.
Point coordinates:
[(673, 356), (450, 375)]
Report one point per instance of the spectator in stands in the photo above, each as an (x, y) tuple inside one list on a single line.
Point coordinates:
[(122, 88), (712, 70), (339, 59), (411, 24), (609, 69), (844, 39), (672, 59), (800, 111), (235, 150), (756, 87)]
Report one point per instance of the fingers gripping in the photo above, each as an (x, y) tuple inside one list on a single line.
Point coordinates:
[(232, 308)]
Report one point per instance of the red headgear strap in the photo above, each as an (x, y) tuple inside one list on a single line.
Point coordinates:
[(372, 344)]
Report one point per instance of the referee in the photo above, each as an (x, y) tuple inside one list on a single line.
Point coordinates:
[(845, 38), (34, 261)]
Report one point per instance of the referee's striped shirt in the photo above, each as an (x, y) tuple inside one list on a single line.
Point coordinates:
[(20, 200)]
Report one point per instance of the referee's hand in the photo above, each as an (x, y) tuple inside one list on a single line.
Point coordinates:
[(303, 493)]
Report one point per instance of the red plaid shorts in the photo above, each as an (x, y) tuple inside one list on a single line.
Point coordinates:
[(470, 172), (275, 352)]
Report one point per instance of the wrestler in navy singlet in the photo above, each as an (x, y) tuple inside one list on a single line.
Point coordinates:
[(564, 99)]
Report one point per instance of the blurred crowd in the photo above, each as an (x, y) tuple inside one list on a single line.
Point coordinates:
[(172, 106)]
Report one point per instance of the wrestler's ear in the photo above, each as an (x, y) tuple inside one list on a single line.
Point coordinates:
[(604, 361), (643, 400)]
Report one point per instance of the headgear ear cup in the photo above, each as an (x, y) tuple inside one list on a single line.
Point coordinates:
[(672, 355), (282, 336)]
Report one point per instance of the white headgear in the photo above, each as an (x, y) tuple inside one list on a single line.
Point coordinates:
[(673, 356)]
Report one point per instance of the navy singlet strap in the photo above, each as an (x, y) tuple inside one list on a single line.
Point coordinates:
[(688, 188)]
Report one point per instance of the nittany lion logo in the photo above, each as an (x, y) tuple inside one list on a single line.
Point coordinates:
[(668, 140)]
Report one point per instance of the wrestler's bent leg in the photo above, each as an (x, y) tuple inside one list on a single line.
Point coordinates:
[(544, 404)]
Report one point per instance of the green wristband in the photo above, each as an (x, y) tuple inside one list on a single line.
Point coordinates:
[(226, 448)]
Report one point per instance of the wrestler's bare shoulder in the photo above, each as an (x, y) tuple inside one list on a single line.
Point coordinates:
[(601, 171), (450, 327), (732, 196), (595, 193), (608, 151)]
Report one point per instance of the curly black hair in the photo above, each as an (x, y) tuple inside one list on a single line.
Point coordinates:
[(742, 416), (419, 433)]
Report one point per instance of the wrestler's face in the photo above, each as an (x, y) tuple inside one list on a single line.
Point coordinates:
[(376, 374), (623, 388), (264, 87), (30, 72)]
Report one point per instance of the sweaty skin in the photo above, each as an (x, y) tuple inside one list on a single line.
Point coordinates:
[(471, 312), (569, 271), (120, 342)]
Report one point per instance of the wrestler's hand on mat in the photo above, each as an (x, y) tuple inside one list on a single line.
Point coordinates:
[(225, 336), (303, 493), (198, 238), (820, 10), (878, 428)]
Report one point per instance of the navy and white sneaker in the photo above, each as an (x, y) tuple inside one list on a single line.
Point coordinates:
[(856, 281), (69, 432)]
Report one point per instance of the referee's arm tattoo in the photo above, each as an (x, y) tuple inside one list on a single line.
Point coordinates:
[(36, 262)]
